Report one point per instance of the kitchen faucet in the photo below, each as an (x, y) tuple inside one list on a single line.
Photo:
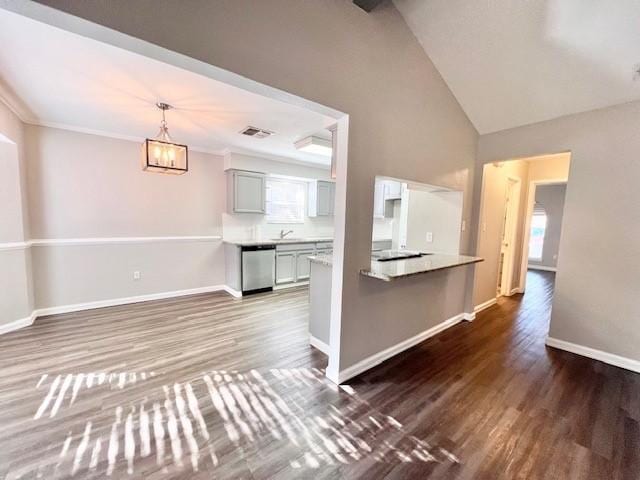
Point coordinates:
[(284, 234)]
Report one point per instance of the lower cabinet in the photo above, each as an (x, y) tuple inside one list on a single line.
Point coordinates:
[(285, 267), (303, 265), (293, 264)]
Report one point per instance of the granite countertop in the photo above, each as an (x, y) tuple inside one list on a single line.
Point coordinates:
[(388, 271), (322, 259), (284, 241)]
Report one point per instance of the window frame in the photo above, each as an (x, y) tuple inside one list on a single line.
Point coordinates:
[(272, 219), (540, 213)]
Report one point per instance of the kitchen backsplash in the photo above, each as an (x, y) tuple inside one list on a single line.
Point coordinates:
[(251, 227)]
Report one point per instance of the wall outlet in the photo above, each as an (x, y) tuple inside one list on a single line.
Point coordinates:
[(429, 237), (464, 225), (136, 275)]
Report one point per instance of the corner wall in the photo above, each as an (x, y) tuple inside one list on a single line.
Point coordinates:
[(597, 283), (16, 292)]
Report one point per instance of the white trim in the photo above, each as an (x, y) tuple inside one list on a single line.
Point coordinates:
[(542, 267), (526, 234), (17, 324), (284, 286), (47, 242), (515, 290), (14, 246), (610, 358), (512, 220), (25, 322), (469, 317), (377, 358), (232, 291), (126, 300), (485, 305), (319, 344)]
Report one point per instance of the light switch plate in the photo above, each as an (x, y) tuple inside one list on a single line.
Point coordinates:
[(136, 275)]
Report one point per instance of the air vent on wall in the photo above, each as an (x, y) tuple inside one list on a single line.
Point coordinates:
[(256, 132)]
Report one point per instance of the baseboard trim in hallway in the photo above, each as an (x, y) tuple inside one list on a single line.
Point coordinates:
[(484, 305), (610, 358), (378, 358)]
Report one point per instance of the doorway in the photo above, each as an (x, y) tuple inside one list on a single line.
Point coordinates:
[(508, 237)]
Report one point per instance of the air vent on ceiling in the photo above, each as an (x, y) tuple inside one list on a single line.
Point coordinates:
[(256, 132)]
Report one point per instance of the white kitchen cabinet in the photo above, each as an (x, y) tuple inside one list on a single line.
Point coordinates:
[(321, 198), (303, 265), (246, 191), (385, 192), (392, 190), (285, 267)]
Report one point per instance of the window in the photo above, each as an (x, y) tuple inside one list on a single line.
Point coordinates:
[(285, 200), (538, 229)]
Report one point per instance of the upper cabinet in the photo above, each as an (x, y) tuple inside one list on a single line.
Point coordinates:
[(321, 198), (246, 191), (385, 192)]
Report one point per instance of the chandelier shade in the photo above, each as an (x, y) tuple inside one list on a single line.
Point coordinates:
[(162, 154)]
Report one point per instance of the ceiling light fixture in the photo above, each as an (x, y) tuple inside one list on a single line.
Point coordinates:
[(313, 144), (161, 154)]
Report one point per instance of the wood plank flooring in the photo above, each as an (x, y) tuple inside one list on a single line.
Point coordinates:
[(209, 386)]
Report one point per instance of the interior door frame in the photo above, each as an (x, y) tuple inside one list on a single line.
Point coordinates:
[(526, 234), (511, 223)]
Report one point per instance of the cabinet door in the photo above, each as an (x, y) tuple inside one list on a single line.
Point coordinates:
[(285, 267), (249, 192), (324, 199), (378, 200), (303, 265), (393, 190)]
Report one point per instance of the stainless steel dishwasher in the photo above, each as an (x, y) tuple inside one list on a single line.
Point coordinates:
[(258, 268)]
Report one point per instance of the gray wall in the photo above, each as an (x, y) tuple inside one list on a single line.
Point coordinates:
[(551, 198), (597, 284), (367, 65), (85, 186)]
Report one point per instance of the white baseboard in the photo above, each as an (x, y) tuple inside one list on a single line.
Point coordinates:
[(17, 324), (377, 358), (319, 344), (515, 290), (290, 285), (41, 312), (610, 358), (485, 305), (542, 267), (469, 317), (232, 291)]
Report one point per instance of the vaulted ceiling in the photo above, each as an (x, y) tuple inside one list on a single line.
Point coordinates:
[(516, 62)]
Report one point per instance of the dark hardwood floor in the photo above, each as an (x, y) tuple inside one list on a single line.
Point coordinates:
[(214, 387)]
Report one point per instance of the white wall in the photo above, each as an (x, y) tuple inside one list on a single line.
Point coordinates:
[(597, 283), (16, 292), (369, 66), (85, 186), (436, 212), (551, 198)]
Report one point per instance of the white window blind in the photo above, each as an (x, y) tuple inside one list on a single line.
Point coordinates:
[(285, 200)]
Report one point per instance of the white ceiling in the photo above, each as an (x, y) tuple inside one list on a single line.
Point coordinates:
[(516, 62), (58, 78)]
